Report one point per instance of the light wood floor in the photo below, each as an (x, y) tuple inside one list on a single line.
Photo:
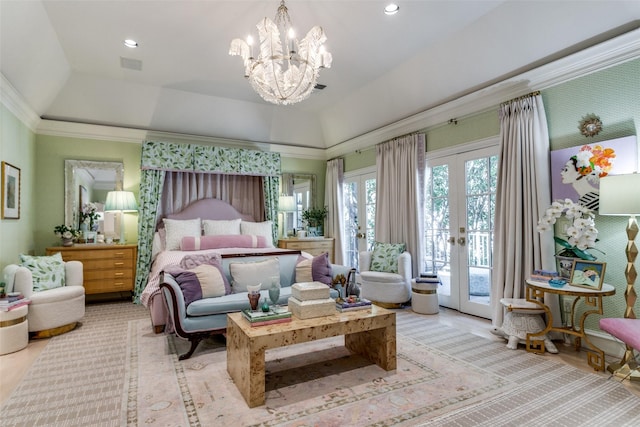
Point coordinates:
[(14, 366)]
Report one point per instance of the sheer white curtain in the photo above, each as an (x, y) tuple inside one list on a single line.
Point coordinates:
[(400, 178), (334, 226), (522, 196)]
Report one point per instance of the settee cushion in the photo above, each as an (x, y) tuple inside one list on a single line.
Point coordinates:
[(47, 271), (203, 281), (191, 261), (252, 273), (384, 257)]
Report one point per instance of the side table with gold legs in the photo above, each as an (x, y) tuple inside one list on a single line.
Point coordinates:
[(592, 299)]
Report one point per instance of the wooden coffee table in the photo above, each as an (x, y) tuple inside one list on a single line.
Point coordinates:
[(370, 333)]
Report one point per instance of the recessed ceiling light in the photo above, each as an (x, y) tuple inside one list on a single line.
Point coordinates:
[(131, 43), (391, 9)]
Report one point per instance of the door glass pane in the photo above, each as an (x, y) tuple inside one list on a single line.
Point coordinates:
[(480, 176), (370, 200), (350, 194), (437, 232)]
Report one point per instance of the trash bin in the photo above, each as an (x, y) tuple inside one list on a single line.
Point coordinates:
[(424, 295)]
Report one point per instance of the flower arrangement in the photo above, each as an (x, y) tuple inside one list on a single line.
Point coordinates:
[(88, 215), (65, 232), (594, 160), (582, 233)]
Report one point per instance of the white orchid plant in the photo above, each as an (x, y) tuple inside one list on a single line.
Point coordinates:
[(582, 233)]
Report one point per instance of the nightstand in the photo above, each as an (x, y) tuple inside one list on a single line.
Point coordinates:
[(106, 268), (312, 245)]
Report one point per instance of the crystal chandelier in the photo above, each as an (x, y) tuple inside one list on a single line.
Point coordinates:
[(278, 77)]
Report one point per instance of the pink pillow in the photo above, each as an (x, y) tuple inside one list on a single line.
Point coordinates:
[(196, 243)]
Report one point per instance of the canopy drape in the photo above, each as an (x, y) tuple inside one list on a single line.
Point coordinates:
[(198, 164)]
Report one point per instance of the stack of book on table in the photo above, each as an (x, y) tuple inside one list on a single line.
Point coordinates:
[(353, 304), (273, 316), (13, 300), (544, 275)]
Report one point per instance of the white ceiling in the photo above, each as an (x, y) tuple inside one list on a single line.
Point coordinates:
[(63, 58)]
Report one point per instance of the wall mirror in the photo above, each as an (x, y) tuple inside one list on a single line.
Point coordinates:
[(302, 186), (88, 181)]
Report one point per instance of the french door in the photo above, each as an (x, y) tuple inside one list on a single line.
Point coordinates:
[(359, 192), (459, 224)]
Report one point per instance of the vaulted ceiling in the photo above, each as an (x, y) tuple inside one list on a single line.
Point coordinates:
[(64, 59)]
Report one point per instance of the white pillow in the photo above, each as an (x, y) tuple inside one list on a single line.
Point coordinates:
[(258, 229), (221, 227), (178, 228), (252, 273)]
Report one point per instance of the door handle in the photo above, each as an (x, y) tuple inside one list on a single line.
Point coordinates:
[(452, 240), (361, 235), (462, 241)]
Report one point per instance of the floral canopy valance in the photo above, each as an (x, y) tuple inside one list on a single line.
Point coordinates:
[(208, 159)]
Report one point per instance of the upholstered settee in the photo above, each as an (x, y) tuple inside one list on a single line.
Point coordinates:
[(52, 311), (205, 316)]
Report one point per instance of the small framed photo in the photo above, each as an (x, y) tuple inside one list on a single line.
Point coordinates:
[(587, 274), (10, 191)]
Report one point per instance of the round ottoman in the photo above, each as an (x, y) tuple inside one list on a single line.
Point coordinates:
[(424, 297), (14, 330)]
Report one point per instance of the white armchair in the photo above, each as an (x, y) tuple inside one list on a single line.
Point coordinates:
[(53, 311), (385, 289)]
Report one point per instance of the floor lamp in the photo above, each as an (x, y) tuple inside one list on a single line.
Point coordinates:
[(121, 201), (619, 196)]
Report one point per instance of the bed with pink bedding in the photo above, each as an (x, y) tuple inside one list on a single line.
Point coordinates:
[(206, 227)]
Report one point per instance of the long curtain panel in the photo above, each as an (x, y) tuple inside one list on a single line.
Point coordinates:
[(522, 195), (400, 194), (335, 203), (151, 182)]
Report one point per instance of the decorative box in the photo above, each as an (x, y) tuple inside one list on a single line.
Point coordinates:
[(312, 308), (306, 291)]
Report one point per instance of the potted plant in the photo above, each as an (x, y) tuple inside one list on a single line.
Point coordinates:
[(581, 232), (66, 233), (314, 218)]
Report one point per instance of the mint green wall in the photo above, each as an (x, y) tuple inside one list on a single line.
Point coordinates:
[(471, 128), (51, 152), (316, 167), (613, 95), (17, 147)]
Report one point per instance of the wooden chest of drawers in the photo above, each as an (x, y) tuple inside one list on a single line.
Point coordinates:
[(106, 268), (313, 246)]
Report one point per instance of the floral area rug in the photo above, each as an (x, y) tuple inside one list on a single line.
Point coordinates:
[(318, 383)]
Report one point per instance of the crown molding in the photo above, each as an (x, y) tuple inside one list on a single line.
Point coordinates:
[(612, 52), (15, 103), (137, 136)]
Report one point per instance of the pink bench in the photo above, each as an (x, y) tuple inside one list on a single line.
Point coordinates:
[(626, 330)]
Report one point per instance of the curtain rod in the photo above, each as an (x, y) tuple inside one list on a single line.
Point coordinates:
[(534, 93)]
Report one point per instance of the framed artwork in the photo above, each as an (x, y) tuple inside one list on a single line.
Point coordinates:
[(10, 191), (587, 274), (576, 171)]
